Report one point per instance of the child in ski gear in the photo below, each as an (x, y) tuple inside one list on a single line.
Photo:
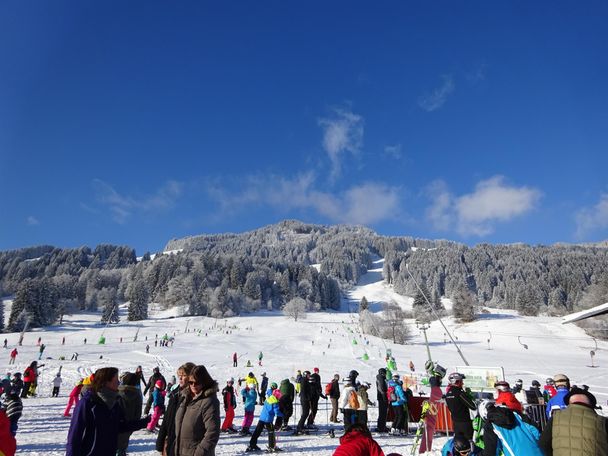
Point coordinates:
[(363, 403), (56, 384), (229, 406), (249, 396), (349, 403), (577, 429), (156, 376), (158, 404), (398, 401), (74, 398), (131, 399), (508, 433), (506, 397), (459, 403), (562, 383), (357, 441), (14, 408), (267, 415), (458, 446)]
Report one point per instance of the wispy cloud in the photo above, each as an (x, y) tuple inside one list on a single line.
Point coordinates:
[(393, 151), (437, 98), (590, 219), (342, 132), (477, 213), (32, 221), (478, 74), (363, 204), (123, 206)]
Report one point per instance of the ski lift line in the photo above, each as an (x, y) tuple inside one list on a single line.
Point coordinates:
[(407, 267), (533, 336)]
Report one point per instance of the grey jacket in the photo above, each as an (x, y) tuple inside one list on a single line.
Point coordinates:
[(197, 424), (131, 402)]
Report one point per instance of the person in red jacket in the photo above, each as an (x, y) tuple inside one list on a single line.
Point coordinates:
[(30, 376), (8, 444), (358, 441), (506, 397)]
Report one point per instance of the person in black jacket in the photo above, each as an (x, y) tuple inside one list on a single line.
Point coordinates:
[(305, 395), (156, 375), (381, 388), (316, 393), (334, 395), (459, 403), (165, 442), (263, 388), (140, 375)]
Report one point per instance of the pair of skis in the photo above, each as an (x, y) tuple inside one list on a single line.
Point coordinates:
[(429, 409)]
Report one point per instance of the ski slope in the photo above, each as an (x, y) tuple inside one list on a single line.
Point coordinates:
[(323, 340)]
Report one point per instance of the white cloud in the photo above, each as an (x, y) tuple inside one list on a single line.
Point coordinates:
[(343, 132), (594, 218), (123, 206), (364, 204), (477, 213), (32, 221), (436, 99), (393, 151)]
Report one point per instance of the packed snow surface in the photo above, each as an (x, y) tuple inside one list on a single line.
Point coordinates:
[(323, 340)]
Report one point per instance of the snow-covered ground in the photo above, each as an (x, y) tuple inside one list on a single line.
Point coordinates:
[(323, 340)]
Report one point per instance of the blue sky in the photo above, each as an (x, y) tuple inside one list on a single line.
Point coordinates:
[(136, 122)]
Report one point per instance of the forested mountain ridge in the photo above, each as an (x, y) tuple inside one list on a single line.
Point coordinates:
[(226, 274)]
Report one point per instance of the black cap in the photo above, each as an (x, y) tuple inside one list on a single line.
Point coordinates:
[(577, 390)]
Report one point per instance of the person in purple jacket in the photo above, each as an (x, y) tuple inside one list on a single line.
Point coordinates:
[(99, 418)]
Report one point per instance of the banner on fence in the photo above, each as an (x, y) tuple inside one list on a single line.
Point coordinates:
[(480, 378)]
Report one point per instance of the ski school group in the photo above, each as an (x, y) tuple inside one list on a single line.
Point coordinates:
[(185, 413)]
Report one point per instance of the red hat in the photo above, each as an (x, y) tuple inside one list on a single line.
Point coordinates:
[(159, 384), (316, 369)]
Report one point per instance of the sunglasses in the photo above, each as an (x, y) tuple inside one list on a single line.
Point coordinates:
[(463, 452), (192, 382)]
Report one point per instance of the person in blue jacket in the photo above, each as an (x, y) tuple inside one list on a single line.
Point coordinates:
[(562, 384), (269, 411), (249, 400), (99, 418), (509, 434), (397, 398)]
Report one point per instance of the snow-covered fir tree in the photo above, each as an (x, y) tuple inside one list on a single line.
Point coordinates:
[(138, 297)]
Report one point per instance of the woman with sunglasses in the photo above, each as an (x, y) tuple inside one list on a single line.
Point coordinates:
[(197, 422)]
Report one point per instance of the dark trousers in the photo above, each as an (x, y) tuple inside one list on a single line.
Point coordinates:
[(362, 417), (304, 415), (465, 428), (399, 420), (350, 418), (148, 404), (334, 410), (314, 407), (55, 392), (382, 412), (234, 363), (258, 431), (26, 389)]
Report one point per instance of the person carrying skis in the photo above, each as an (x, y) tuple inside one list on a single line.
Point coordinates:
[(56, 384), (266, 420), (436, 373), (229, 406), (249, 396), (459, 403)]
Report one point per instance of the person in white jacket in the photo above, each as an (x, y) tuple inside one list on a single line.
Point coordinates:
[(56, 384), (349, 404), (363, 403)]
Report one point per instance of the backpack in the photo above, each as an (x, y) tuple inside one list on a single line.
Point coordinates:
[(353, 400), (391, 394), (328, 389)]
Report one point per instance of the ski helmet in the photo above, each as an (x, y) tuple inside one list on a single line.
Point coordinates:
[(535, 384), (230, 380), (273, 386), (455, 378), (483, 408), (461, 443), (353, 373), (549, 381), (502, 386), (519, 382), (561, 380)]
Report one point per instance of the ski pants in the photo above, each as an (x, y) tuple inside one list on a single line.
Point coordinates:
[(72, 401), (26, 389), (399, 420), (247, 420), (227, 424), (362, 417), (304, 415), (156, 414), (333, 418), (258, 431), (350, 418), (55, 392), (314, 407), (382, 412), (465, 428), (12, 360)]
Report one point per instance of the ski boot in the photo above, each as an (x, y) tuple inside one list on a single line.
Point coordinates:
[(252, 449)]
